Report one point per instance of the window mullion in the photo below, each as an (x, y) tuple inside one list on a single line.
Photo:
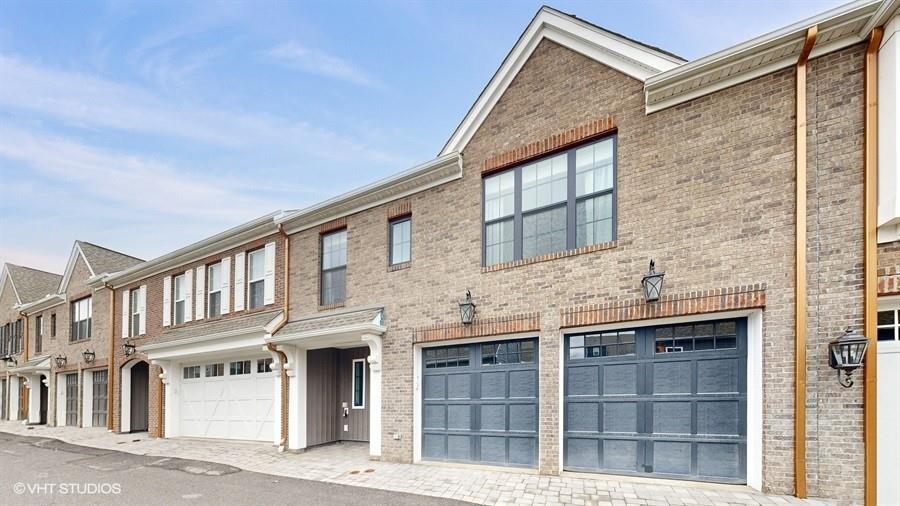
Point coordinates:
[(517, 214)]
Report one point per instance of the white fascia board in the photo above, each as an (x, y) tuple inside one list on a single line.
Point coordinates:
[(51, 300), (213, 245), (439, 171), (238, 340), (616, 52), (363, 328), (882, 15)]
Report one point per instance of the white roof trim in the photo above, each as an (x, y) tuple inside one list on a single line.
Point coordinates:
[(441, 170), (73, 258), (626, 56), (48, 301), (359, 328), (4, 275), (213, 245), (838, 28)]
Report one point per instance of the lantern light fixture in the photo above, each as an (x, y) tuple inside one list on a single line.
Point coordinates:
[(60, 360), (847, 353), (128, 348), (652, 283), (467, 309), (89, 356)]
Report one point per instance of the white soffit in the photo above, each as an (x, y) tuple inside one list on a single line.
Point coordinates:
[(626, 56), (837, 28)]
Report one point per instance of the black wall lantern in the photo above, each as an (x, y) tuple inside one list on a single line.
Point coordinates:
[(128, 348), (10, 361), (89, 356), (467, 309), (60, 361), (652, 283), (846, 353)]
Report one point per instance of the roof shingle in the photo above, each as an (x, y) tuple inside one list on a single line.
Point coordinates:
[(32, 284)]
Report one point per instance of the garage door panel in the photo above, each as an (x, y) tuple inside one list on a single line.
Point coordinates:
[(660, 407), (671, 418), (482, 409), (620, 379)]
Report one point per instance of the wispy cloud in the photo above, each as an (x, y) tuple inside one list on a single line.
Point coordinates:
[(84, 100), (317, 62)]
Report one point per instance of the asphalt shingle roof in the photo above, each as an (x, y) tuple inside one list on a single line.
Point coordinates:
[(334, 321), (106, 260), (250, 322), (32, 284)]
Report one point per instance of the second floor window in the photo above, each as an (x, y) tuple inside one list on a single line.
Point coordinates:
[(214, 289), (256, 272), (180, 295), (81, 320), (559, 203), (39, 334), (135, 305), (53, 325), (334, 268), (401, 240)]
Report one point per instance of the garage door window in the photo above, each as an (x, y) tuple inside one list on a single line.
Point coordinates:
[(453, 356), (601, 344), (239, 367), (192, 372), (264, 365), (699, 337), (215, 370), (511, 352)]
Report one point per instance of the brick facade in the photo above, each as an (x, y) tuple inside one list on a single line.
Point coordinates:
[(889, 268)]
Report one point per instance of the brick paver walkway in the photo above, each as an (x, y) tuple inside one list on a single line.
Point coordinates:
[(348, 463)]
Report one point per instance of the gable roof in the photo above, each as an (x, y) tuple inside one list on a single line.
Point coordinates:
[(29, 284), (98, 259), (628, 56)]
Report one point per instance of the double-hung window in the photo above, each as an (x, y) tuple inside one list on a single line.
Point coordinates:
[(562, 202), (180, 295), (135, 310), (334, 268), (257, 275), (81, 320), (400, 240), (52, 325), (214, 289), (39, 334)]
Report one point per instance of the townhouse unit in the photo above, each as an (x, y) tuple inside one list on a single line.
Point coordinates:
[(621, 262)]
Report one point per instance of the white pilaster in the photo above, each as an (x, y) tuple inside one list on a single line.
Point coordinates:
[(296, 371), (374, 359), (34, 398), (276, 403), (87, 398), (170, 380), (14, 397)]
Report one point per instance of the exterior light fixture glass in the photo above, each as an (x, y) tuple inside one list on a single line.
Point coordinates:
[(847, 353), (128, 348), (10, 360), (652, 283), (89, 356), (467, 309), (60, 361)]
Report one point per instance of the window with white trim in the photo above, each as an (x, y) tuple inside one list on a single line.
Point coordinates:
[(180, 287), (135, 305), (889, 325), (191, 372), (401, 240), (213, 370), (359, 383), (334, 268), (264, 365), (214, 290), (256, 272), (239, 367), (558, 203), (81, 320)]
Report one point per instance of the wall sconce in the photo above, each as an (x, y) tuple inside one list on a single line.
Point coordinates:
[(467, 309), (128, 347), (847, 353), (60, 361), (652, 283), (89, 356)]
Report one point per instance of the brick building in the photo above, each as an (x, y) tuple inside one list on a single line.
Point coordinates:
[(587, 158)]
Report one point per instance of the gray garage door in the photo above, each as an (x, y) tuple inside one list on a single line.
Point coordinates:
[(667, 401), (480, 403)]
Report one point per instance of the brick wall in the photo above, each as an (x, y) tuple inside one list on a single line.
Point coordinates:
[(889, 268), (705, 188)]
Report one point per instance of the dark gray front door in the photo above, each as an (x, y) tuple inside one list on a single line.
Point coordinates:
[(72, 399), (668, 401), (99, 398), (140, 396), (480, 403)]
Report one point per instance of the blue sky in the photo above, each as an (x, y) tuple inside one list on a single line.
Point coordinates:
[(145, 126)]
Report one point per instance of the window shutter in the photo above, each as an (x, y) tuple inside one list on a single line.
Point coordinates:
[(167, 301), (239, 282), (269, 283), (126, 312), (188, 295), (201, 293), (142, 309), (226, 285)]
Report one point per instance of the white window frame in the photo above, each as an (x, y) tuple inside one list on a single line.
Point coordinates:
[(261, 278), (353, 384), (206, 369), (892, 305), (210, 291), (247, 362), (79, 308), (135, 312), (184, 369), (180, 279), (269, 360)]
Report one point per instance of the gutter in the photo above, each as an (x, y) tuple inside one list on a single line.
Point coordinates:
[(800, 271)]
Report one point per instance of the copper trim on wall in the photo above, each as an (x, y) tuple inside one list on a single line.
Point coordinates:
[(111, 362), (800, 273), (870, 269)]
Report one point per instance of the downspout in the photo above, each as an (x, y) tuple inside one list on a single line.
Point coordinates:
[(285, 385), (111, 361), (870, 296), (800, 273)]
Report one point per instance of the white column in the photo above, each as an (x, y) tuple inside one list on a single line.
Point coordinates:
[(87, 398), (888, 130), (125, 397), (34, 398), (296, 371), (170, 380), (14, 397), (374, 359), (276, 402), (60, 400)]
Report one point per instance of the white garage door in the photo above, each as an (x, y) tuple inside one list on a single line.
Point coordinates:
[(228, 399)]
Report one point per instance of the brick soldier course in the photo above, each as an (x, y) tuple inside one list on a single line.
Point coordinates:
[(704, 185)]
